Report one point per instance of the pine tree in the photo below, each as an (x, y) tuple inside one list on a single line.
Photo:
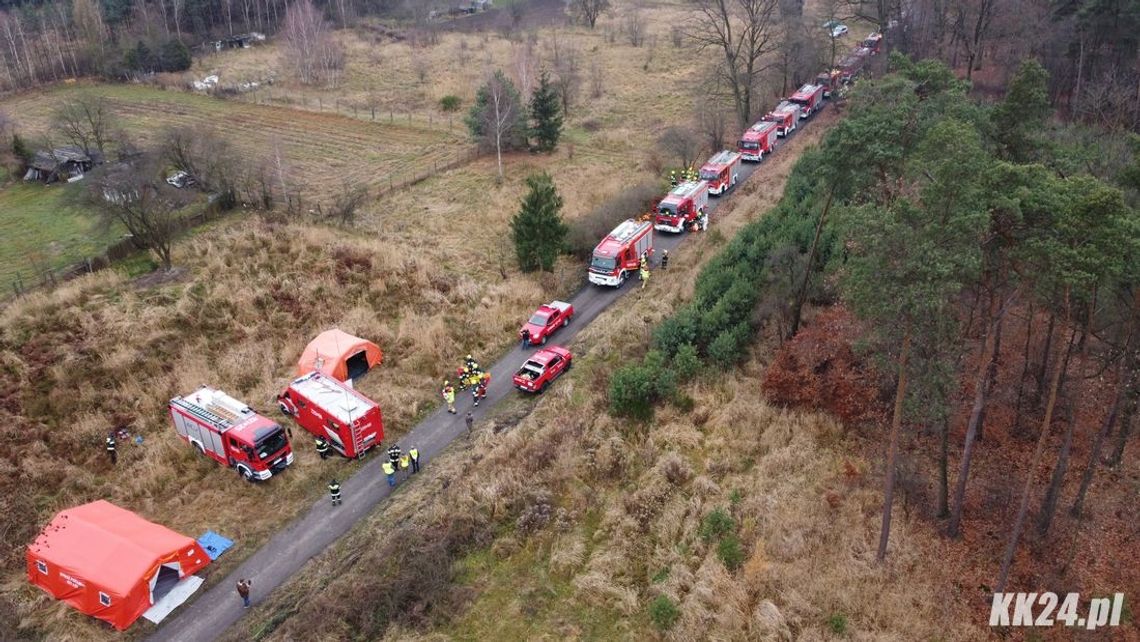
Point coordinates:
[(546, 112), (537, 229)]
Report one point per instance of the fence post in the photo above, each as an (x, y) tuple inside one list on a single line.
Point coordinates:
[(391, 116), (320, 103), (373, 112)]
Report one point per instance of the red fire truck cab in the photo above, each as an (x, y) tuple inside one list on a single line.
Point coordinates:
[(808, 98), (850, 67), (329, 409), (721, 171), (619, 254), (684, 205), (785, 115), (758, 140), (231, 433)]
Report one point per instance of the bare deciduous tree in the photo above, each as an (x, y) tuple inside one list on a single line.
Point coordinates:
[(136, 197), (681, 143), (524, 66), (497, 119), (634, 26), (745, 33), (565, 60), (86, 122), (588, 11), (310, 48), (713, 122), (597, 80), (206, 157), (345, 204)]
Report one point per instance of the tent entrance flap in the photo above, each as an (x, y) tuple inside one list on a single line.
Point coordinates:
[(164, 580), (357, 365)]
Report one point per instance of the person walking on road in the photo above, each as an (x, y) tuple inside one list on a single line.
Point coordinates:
[(405, 462), (111, 448), (665, 259), (394, 456), (322, 447), (480, 390), (644, 273), (449, 396), (390, 472), (414, 453), (243, 590), (470, 420), (334, 492), (525, 338)]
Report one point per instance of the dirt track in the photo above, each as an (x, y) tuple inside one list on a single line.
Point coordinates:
[(287, 552)]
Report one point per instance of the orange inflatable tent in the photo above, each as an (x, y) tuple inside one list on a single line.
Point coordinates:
[(110, 563), (339, 355)]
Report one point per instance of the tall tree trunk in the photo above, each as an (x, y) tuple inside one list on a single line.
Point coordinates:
[(1034, 463), (980, 388), (801, 296), (991, 375), (1094, 454), (893, 449), (1053, 492), (1024, 371), (1044, 369), (1125, 432), (944, 467)]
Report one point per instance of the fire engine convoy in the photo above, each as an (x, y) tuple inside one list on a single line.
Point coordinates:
[(682, 207), (758, 140), (619, 254), (329, 409), (721, 172), (231, 433)]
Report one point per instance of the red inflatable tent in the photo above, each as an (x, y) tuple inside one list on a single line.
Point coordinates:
[(339, 355), (110, 563)]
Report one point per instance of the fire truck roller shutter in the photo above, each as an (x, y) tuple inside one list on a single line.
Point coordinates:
[(213, 442)]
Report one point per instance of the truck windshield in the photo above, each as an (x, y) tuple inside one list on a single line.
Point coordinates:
[(667, 209), (748, 144), (539, 319), (603, 263), (269, 446), (709, 176)]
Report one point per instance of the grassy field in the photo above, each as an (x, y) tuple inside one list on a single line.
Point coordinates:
[(43, 230)]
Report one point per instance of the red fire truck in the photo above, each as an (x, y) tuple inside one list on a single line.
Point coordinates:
[(231, 433), (758, 140), (850, 67), (785, 115), (721, 171), (328, 408), (684, 205), (830, 81), (809, 98), (619, 254)]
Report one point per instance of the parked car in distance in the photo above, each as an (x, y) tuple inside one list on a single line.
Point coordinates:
[(542, 368), (545, 321), (835, 28)]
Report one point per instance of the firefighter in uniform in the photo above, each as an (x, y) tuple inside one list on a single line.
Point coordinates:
[(111, 448), (665, 259), (322, 447), (480, 389), (449, 396), (394, 455), (334, 492)]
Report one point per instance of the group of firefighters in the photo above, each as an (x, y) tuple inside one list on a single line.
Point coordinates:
[(469, 375), (685, 175)]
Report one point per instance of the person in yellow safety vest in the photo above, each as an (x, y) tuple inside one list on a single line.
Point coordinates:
[(644, 276), (673, 177), (405, 462), (390, 471), (449, 396), (414, 453), (322, 447)]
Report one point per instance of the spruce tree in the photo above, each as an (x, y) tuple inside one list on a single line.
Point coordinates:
[(537, 229), (546, 112)]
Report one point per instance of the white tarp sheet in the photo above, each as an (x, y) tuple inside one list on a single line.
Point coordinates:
[(172, 600)]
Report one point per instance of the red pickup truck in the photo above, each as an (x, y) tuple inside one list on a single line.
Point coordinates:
[(542, 368), (545, 321)]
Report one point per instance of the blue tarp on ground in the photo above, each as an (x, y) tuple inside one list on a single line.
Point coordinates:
[(214, 544)]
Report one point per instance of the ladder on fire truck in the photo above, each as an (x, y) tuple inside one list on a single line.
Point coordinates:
[(625, 231), (208, 415)]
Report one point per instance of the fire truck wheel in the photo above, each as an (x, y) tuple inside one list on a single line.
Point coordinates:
[(285, 409), (545, 385), (543, 342), (246, 473), (621, 278), (565, 322)]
